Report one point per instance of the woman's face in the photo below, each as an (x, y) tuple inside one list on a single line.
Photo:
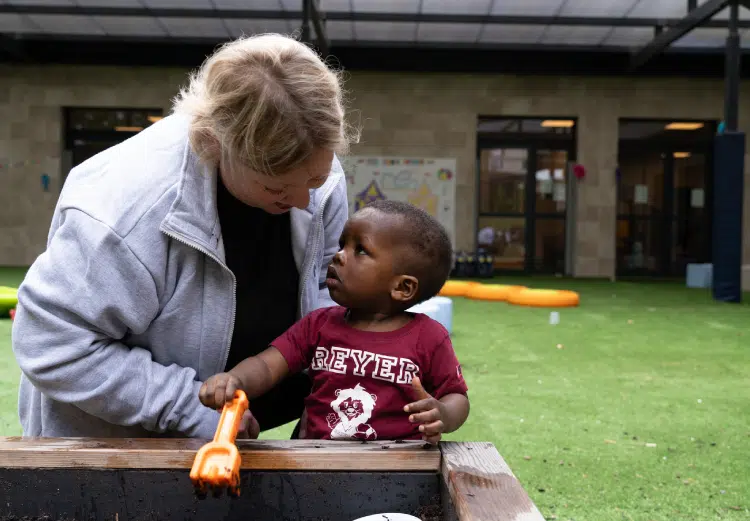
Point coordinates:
[(283, 192)]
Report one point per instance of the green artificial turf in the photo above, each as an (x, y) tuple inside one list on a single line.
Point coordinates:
[(635, 407)]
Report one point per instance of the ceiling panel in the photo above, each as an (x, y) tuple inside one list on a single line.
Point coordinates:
[(659, 9), (703, 37), (448, 32), (66, 24), (333, 5), (13, 23), (176, 4), (195, 27), (527, 7), (456, 7), (340, 30), (525, 34), (603, 8), (238, 27), (384, 31), (108, 3), (386, 6), (574, 35), (257, 5), (39, 2), (629, 36), (129, 25), (724, 14)]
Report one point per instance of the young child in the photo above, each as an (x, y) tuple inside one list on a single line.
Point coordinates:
[(378, 371)]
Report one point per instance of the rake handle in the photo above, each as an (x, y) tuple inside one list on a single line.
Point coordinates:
[(231, 418)]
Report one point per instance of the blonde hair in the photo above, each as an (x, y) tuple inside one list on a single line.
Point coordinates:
[(264, 102)]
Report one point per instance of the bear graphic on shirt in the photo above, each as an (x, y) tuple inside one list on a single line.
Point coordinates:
[(353, 409)]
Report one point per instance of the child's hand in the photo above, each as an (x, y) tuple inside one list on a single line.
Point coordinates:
[(218, 390), (430, 413)]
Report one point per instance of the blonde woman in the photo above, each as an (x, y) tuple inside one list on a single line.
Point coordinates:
[(185, 249)]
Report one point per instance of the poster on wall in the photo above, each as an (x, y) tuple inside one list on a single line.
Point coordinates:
[(428, 183)]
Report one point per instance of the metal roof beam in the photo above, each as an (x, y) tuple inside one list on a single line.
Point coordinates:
[(253, 14), (695, 18), (318, 20)]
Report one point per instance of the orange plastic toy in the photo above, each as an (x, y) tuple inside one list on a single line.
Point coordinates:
[(217, 463)]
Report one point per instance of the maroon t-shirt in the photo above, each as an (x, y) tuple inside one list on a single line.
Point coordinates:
[(361, 380)]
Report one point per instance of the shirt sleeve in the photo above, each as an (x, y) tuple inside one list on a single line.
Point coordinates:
[(297, 343), (444, 374)]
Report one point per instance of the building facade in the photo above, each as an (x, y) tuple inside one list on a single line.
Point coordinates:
[(643, 205)]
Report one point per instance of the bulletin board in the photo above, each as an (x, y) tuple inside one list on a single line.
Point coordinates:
[(429, 183)]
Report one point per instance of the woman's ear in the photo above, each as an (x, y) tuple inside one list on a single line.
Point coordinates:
[(405, 288)]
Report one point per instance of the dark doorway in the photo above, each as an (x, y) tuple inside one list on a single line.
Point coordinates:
[(88, 131), (523, 191), (664, 196)]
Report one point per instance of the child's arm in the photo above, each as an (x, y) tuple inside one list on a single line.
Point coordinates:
[(446, 407), (447, 414), (255, 375)]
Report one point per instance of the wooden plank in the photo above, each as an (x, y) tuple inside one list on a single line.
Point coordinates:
[(173, 453), (481, 485)]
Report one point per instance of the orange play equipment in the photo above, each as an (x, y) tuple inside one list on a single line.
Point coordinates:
[(456, 288), (494, 292), (512, 294), (544, 298), (217, 463)]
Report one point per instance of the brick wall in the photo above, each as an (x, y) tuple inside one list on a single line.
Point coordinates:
[(425, 114)]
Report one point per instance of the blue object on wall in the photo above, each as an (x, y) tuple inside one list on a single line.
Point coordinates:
[(722, 127), (45, 182)]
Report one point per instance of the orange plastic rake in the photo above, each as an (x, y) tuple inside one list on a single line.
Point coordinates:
[(217, 463)]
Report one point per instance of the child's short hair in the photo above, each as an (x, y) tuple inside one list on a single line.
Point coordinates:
[(431, 253)]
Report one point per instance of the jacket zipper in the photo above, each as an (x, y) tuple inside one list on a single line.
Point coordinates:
[(234, 289), (318, 228)]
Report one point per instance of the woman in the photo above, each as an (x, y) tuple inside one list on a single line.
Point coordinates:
[(186, 248)]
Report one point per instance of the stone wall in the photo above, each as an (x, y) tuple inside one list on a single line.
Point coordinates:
[(419, 114)]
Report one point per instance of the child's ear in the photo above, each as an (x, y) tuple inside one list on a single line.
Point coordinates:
[(405, 288)]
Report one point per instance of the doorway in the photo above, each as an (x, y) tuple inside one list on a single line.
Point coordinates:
[(664, 199), (523, 194), (88, 131)]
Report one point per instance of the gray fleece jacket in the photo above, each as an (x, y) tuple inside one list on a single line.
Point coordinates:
[(131, 306)]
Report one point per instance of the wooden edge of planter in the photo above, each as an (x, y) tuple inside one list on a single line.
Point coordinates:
[(480, 485), (174, 453)]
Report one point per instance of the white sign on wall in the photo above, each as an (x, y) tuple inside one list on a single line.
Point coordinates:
[(428, 183)]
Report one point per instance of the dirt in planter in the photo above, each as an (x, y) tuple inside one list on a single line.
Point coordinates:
[(431, 512)]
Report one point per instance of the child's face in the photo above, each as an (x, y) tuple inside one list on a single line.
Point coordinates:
[(362, 273)]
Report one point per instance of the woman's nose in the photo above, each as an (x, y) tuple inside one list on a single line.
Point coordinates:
[(299, 198), (338, 257)]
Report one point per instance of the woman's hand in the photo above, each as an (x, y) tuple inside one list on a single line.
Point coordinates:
[(218, 390), (249, 427)]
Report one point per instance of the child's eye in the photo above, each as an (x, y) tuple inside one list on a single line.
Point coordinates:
[(360, 250)]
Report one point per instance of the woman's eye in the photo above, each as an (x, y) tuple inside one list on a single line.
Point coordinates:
[(360, 250)]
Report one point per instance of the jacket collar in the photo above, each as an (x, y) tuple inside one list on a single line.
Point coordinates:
[(194, 218)]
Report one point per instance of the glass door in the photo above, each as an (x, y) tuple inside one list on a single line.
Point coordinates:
[(691, 205), (664, 211), (503, 174), (522, 201), (550, 205)]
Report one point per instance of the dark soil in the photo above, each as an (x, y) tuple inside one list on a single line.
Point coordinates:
[(432, 512)]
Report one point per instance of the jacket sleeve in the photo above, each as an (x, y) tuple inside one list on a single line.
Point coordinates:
[(76, 304), (335, 216)]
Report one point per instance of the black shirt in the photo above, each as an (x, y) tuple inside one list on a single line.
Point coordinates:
[(258, 248)]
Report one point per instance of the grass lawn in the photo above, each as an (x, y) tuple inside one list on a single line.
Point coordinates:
[(635, 407)]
